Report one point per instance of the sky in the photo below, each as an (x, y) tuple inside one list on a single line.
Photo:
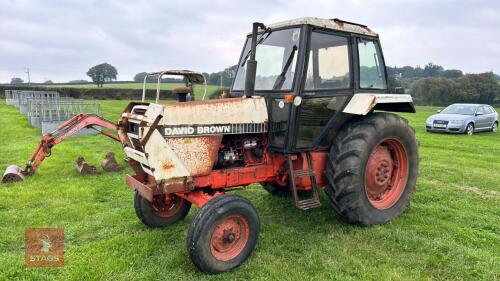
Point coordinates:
[(61, 40)]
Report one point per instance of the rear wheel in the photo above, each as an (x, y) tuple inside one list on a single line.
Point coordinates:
[(163, 211), (469, 130), (223, 234), (372, 169)]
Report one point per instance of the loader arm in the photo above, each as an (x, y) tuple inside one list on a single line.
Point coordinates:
[(64, 131)]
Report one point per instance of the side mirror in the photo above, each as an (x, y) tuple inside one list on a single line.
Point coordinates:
[(399, 90), (478, 114), (438, 111)]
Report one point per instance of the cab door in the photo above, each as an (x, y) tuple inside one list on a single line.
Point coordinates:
[(327, 86)]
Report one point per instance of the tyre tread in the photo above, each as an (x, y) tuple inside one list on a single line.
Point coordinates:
[(344, 162)]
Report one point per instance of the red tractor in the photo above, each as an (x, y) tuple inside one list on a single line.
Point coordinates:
[(303, 114)]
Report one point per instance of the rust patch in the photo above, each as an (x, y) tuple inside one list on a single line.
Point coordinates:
[(221, 111), (167, 166), (135, 183), (197, 153), (173, 185)]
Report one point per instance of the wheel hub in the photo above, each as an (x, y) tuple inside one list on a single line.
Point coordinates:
[(230, 237), (380, 166), (386, 174), (167, 205), (470, 129)]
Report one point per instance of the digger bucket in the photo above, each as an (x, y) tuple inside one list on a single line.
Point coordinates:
[(13, 173), (109, 163), (83, 168)]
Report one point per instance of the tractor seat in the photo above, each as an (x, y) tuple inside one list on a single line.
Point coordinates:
[(182, 93)]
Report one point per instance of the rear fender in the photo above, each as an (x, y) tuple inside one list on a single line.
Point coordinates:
[(362, 104)]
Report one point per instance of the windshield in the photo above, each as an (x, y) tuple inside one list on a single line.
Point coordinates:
[(463, 109), (276, 60)]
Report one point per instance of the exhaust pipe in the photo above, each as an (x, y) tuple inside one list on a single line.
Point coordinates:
[(251, 62), (13, 173)]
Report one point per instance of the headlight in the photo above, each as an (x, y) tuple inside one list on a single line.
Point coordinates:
[(457, 122), (429, 121)]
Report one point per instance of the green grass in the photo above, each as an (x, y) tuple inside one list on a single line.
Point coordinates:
[(450, 232), (198, 89)]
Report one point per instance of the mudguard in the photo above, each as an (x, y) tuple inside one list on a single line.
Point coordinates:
[(362, 104)]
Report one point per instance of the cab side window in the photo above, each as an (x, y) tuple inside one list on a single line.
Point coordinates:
[(371, 66), (328, 66)]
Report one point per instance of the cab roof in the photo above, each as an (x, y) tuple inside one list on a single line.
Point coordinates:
[(333, 24)]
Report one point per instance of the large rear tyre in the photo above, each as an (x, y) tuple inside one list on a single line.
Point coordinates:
[(223, 234), (163, 211), (372, 169)]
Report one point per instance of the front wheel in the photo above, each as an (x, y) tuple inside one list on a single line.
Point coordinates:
[(469, 130), (223, 234), (494, 129), (163, 211), (372, 169)]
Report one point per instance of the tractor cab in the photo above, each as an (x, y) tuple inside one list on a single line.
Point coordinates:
[(308, 70)]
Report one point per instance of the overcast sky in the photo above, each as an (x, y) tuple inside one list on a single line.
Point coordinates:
[(61, 40)]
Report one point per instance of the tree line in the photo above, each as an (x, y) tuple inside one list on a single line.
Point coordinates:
[(469, 88), (429, 85), (407, 74), (434, 85)]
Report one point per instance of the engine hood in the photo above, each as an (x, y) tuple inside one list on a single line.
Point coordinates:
[(178, 140)]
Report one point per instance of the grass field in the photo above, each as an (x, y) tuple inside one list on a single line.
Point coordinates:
[(198, 89), (450, 232)]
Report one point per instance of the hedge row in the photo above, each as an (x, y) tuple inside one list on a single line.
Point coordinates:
[(92, 93)]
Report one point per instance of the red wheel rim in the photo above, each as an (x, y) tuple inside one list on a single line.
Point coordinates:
[(230, 237), (167, 206), (386, 174)]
